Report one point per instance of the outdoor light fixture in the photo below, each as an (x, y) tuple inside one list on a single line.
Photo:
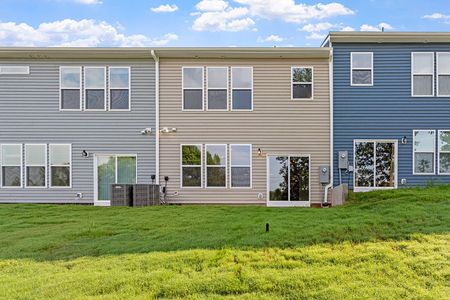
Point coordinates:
[(259, 152), (167, 130), (84, 153), (146, 131), (404, 140)]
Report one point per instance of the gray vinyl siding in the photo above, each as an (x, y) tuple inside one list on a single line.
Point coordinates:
[(29, 113), (386, 110)]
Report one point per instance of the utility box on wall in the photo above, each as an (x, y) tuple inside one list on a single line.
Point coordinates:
[(343, 160), (324, 174)]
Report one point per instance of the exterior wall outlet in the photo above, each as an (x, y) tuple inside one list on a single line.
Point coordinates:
[(403, 181), (260, 196), (80, 195)]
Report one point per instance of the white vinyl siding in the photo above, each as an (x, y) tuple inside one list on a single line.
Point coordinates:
[(11, 163), (424, 156), (70, 88), (422, 74), (361, 73), (35, 165), (443, 74), (119, 88), (60, 165)]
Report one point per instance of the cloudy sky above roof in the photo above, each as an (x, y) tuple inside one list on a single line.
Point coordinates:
[(207, 22)]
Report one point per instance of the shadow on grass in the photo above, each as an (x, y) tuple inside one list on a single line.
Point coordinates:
[(52, 232)]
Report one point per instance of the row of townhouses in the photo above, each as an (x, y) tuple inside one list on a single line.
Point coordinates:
[(271, 126)]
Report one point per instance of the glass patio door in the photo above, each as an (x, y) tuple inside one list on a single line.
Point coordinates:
[(375, 164), (113, 169)]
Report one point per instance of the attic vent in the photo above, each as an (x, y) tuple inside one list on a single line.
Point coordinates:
[(14, 70)]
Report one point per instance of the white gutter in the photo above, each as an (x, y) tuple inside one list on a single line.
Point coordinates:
[(156, 59), (331, 83)]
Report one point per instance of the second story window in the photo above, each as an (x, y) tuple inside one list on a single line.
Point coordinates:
[(443, 74), (217, 88), (302, 83), (422, 74), (192, 88), (242, 88), (361, 68), (119, 88), (70, 84), (94, 88)]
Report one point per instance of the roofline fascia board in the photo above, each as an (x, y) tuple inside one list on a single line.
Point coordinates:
[(388, 37)]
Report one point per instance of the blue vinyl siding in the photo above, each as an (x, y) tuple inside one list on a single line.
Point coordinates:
[(385, 110)]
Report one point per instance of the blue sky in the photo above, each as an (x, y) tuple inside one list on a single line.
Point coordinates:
[(207, 22)]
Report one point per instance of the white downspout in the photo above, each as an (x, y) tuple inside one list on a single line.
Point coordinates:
[(330, 185), (156, 59)]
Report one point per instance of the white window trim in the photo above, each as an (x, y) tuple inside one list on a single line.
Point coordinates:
[(61, 88), (201, 166), (243, 166), (3, 165), (375, 141), (96, 155), (292, 82), (439, 73), (241, 67), (412, 76), (26, 72), (439, 152), (434, 153), (182, 87), (32, 165), (366, 69), (287, 203), (216, 166), (110, 88), (213, 88), (50, 166), (85, 89)]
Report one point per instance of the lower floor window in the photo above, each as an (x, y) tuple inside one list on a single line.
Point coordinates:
[(216, 165), (424, 142), (191, 165), (113, 169), (11, 162), (289, 178), (241, 165), (60, 165), (36, 165)]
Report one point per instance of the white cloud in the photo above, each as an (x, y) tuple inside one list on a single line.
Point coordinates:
[(271, 38), (319, 31), (317, 27), (379, 27), (165, 8), (89, 2), (219, 15), (68, 32), (316, 36), (437, 16)]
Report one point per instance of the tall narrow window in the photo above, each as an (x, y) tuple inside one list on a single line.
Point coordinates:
[(302, 83), (242, 88), (94, 88), (424, 152), (216, 165), (217, 88), (422, 74), (241, 165), (11, 165), (119, 88), (443, 73), (362, 68), (36, 165), (60, 165), (70, 82), (191, 165), (444, 152), (192, 88)]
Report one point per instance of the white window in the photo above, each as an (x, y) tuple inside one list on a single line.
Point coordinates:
[(217, 88), (241, 165), (216, 165), (192, 78), (70, 83), (422, 74), (361, 69), (443, 74), (14, 70), (444, 152), (11, 162), (424, 143), (60, 165), (94, 88), (242, 88), (302, 83), (191, 165), (119, 88), (35, 165)]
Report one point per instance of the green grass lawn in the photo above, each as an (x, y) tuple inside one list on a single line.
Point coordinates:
[(384, 245)]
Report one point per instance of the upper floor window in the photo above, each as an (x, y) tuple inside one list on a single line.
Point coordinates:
[(35, 165), (217, 80), (119, 88), (14, 70), (424, 152), (443, 74), (362, 68), (242, 88), (60, 165), (11, 161), (70, 84), (423, 74), (94, 88), (192, 88), (302, 83)]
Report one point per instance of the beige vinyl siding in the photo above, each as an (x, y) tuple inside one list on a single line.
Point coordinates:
[(277, 125)]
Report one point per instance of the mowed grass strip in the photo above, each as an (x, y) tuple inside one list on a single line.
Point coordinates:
[(391, 244)]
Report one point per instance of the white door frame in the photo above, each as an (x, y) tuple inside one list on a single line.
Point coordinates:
[(366, 189)]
